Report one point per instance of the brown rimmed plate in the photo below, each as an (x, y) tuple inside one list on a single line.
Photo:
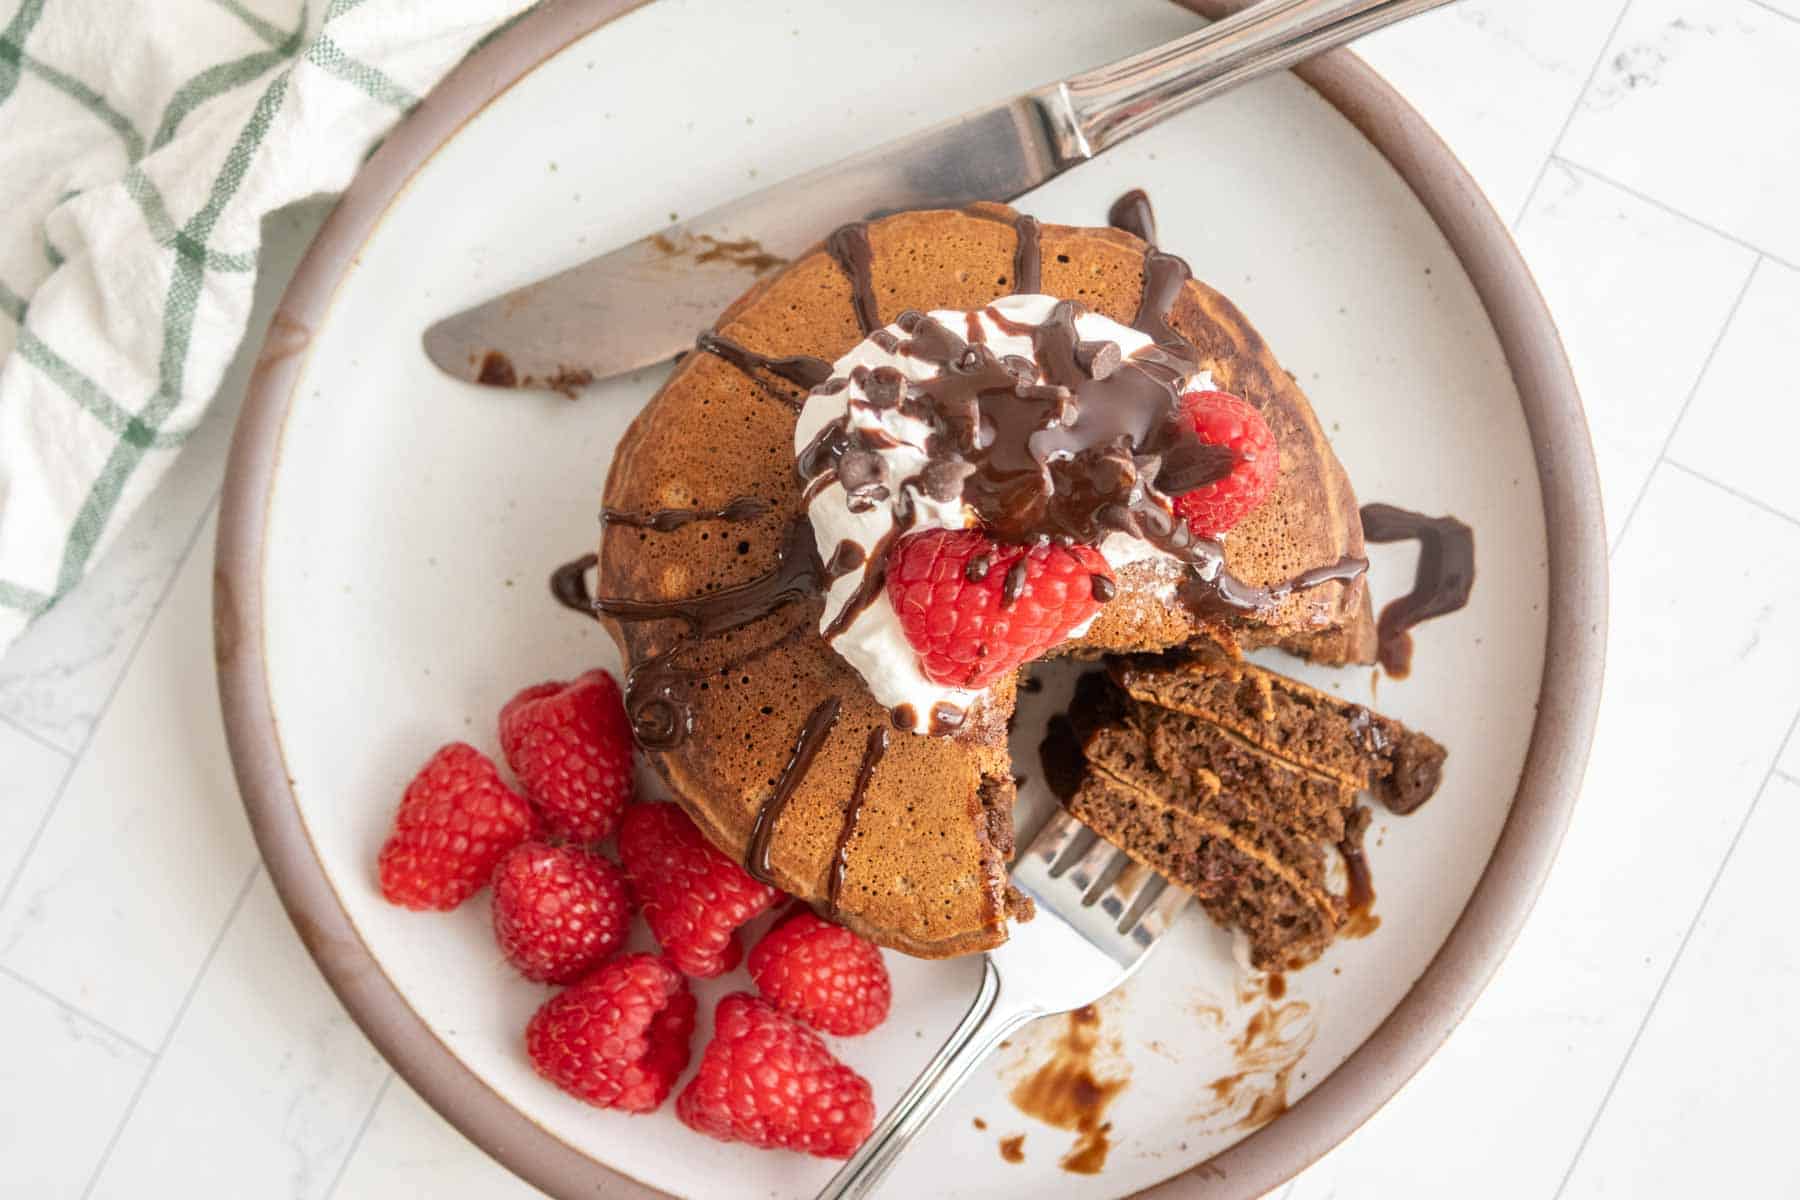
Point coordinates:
[(385, 534)]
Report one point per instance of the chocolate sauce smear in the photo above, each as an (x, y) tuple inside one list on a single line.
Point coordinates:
[(1442, 583), (849, 245), (656, 690), (668, 520), (873, 748), (497, 370), (568, 583), (819, 724)]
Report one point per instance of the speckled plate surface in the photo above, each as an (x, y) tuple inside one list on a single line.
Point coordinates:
[(387, 533)]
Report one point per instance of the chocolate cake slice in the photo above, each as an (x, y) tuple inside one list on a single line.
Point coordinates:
[(1240, 786), (1283, 716), (1244, 831)]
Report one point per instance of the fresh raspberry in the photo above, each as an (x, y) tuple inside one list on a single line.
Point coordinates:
[(570, 746), (1222, 419), (455, 821), (693, 897), (822, 974), (974, 614), (767, 1080), (558, 910), (619, 1038)]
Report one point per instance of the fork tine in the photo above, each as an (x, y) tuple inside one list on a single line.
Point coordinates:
[(1126, 889), (1057, 835), (1086, 884), (1161, 914), (1087, 869)]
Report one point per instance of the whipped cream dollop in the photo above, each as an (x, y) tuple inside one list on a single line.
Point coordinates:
[(876, 469)]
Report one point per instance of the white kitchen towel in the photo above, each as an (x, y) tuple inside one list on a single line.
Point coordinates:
[(141, 144)]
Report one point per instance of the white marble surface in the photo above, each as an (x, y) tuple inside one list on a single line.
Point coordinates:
[(163, 1034)]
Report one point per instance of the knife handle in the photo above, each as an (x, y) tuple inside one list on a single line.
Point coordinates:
[(1096, 109)]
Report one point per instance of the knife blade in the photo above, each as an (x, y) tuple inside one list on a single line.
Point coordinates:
[(648, 300)]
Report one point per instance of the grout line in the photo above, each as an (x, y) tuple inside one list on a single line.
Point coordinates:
[(1586, 84), (361, 1130), (1764, 505), (137, 647), (1773, 11), (35, 736), (1662, 986), (212, 951), (1662, 455), (1671, 210), (96, 1022)]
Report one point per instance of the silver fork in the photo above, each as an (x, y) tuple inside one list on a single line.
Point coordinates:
[(1099, 916)]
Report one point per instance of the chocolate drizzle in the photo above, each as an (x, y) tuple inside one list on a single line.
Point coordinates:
[(849, 245), (874, 578), (1028, 262), (1164, 276), (656, 690), (1442, 583), (873, 749), (1132, 213), (1073, 457), (818, 727), (568, 583), (668, 520), (846, 558), (802, 370), (1235, 593)]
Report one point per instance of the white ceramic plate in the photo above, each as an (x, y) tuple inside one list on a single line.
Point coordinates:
[(398, 569)]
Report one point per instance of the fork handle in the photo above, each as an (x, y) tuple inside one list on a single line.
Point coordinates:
[(991, 1018)]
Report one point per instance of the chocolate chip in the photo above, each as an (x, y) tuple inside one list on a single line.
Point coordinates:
[(1192, 463), (1098, 359), (884, 387), (1014, 586), (859, 468), (942, 480), (1113, 473)]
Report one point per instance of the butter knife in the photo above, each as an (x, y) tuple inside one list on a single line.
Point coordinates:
[(648, 300)]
